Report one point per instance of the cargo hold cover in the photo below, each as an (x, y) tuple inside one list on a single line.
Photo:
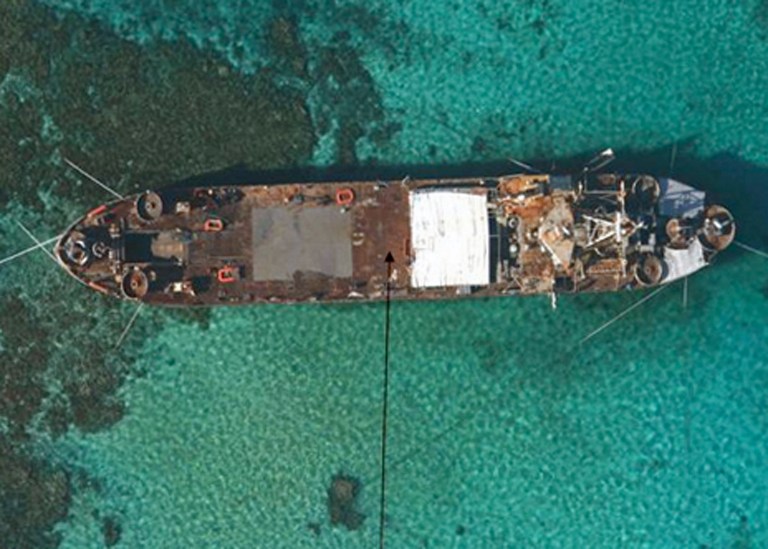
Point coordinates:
[(287, 243), (449, 239)]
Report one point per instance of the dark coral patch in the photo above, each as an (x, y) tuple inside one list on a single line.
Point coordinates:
[(34, 497), (287, 47), (760, 17), (342, 502), (23, 363), (111, 530), (136, 116), (314, 527)]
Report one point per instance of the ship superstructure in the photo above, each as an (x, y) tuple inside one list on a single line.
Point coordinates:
[(295, 242)]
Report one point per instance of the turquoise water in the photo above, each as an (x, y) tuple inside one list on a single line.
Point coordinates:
[(504, 431)]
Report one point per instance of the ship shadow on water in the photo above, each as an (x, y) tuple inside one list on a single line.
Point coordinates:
[(739, 185)]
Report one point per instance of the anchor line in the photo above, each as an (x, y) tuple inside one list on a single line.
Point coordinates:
[(38, 244), (385, 408), (30, 249), (751, 249), (623, 313), (92, 178), (129, 325)]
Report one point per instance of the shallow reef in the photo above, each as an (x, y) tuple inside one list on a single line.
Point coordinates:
[(137, 117)]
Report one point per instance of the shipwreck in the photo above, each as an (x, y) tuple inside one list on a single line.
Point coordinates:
[(519, 234)]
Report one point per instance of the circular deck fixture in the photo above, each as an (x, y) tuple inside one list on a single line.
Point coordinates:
[(213, 225), (646, 190), (135, 284), (679, 232), (99, 249), (718, 229), (345, 196), (76, 251), (149, 206), (649, 270)]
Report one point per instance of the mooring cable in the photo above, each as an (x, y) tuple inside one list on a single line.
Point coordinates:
[(385, 408)]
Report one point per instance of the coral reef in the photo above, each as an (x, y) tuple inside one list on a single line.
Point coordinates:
[(342, 502), (136, 116)]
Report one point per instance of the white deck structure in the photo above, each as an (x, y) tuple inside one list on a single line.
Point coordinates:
[(684, 201), (449, 239), (684, 262)]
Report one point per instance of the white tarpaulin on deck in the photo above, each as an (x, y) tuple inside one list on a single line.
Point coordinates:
[(683, 262), (449, 238)]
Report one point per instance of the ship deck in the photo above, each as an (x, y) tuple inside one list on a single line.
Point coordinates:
[(295, 243), (520, 234)]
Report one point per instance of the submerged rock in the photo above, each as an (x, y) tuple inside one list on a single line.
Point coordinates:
[(342, 502), (112, 531)]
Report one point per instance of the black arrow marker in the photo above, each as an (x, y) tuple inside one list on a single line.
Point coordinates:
[(382, 506)]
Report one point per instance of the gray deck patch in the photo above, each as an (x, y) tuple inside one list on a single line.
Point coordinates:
[(314, 239), (680, 200)]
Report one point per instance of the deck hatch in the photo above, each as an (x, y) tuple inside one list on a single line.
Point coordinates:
[(287, 242), (450, 239)]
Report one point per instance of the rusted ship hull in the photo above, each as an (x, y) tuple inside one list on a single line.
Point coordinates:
[(510, 235)]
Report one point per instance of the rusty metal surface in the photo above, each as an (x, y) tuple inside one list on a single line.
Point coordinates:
[(199, 248)]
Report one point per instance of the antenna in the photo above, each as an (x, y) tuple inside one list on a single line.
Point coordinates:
[(673, 158), (526, 167), (600, 161), (89, 176)]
